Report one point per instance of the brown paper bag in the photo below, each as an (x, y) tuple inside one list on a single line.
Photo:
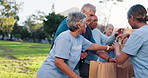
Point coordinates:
[(125, 70), (102, 70), (110, 70), (107, 70), (93, 69)]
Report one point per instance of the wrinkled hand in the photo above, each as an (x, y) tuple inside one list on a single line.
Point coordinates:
[(119, 31), (122, 37), (116, 46), (83, 55), (112, 60)]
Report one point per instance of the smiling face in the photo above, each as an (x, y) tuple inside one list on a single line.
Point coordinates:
[(89, 10), (109, 30), (89, 15), (93, 23)]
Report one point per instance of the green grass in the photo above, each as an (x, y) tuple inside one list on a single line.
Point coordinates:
[(21, 59)]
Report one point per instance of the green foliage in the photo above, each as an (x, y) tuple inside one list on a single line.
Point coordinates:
[(52, 22), (18, 36), (7, 24), (34, 25), (8, 16), (9, 9), (21, 59), (24, 33)]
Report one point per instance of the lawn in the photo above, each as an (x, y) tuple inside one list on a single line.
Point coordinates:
[(21, 59)]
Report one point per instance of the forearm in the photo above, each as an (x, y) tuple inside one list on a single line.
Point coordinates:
[(121, 57), (118, 57), (66, 69), (109, 40), (103, 55), (97, 47)]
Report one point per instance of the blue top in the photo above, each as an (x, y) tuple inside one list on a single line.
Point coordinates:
[(66, 47), (137, 47), (102, 39), (88, 35), (63, 27)]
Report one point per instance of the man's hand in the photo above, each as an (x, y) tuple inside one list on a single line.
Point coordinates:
[(112, 60), (83, 55)]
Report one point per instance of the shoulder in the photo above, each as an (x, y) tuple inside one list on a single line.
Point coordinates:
[(65, 35), (141, 31), (96, 30)]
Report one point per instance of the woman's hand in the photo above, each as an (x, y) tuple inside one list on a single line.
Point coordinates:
[(121, 37), (83, 55), (116, 46), (119, 31)]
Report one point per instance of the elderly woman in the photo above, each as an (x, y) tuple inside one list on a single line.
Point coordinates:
[(65, 54), (137, 45)]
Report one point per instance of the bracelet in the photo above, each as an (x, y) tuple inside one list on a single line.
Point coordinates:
[(107, 48), (108, 59)]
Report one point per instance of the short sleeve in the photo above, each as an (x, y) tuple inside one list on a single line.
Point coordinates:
[(86, 44), (62, 48), (133, 44)]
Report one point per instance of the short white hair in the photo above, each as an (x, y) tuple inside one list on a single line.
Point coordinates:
[(88, 7), (75, 18)]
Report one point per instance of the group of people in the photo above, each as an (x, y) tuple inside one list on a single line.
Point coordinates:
[(78, 41)]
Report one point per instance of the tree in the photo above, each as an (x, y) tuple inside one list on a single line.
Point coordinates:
[(34, 25), (8, 16), (7, 25), (51, 23), (24, 34)]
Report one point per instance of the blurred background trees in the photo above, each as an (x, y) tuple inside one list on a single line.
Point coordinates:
[(8, 17), (51, 24), (36, 27)]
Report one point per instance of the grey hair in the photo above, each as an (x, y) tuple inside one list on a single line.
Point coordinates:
[(75, 18), (88, 7)]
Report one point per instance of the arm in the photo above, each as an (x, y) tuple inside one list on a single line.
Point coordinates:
[(122, 37), (110, 39), (99, 47), (131, 48), (121, 57), (105, 39), (59, 62), (104, 55)]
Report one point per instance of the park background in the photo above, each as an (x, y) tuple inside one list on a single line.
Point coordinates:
[(27, 28)]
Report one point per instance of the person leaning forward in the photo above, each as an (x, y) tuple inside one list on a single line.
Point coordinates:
[(65, 54)]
